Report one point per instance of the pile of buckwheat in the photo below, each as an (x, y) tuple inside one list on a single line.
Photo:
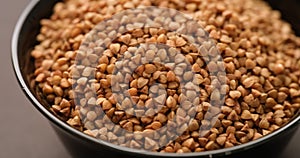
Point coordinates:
[(260, 86)]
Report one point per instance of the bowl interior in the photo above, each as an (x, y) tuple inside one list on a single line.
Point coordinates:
[(27, 40), (290, 12)]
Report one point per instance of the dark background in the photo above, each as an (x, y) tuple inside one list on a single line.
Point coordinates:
[(24, 132)]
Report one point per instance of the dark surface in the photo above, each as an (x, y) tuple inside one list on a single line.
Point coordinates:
[(289, 11), (26, 133)]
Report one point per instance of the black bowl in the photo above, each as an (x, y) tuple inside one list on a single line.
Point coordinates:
[(81, 145)]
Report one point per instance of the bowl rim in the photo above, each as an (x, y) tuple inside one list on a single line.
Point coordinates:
[(70, 130)]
